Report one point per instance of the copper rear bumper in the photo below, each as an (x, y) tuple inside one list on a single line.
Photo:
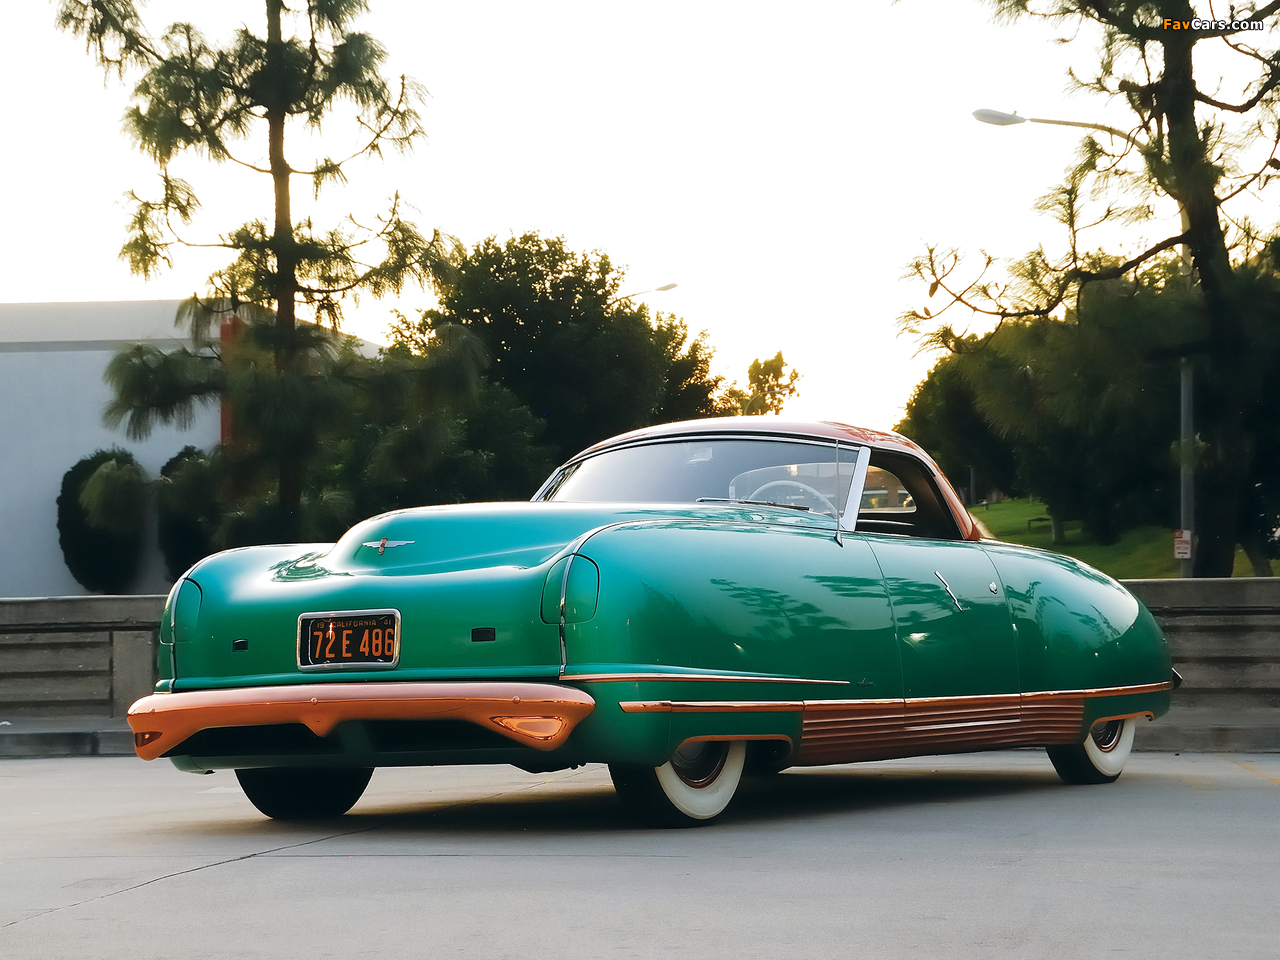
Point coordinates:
[(538, 715)]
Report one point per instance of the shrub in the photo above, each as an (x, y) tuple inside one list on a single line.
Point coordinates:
[(188, 508), (102, 559)]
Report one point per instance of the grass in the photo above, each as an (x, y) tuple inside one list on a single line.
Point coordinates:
[(1141, 553)]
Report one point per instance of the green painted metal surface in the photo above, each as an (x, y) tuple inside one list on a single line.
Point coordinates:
[(953, 626), (761, 604), (1077, 629), (757, 598)]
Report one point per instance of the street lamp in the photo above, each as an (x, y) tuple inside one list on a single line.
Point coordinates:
[(662, 289), (1186, 498), (1007, 119)]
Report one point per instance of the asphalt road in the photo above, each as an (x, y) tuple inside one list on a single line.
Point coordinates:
[(979, 856)]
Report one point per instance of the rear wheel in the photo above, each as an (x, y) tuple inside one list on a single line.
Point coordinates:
[(300, 793), (693, 787), (1102, 755)]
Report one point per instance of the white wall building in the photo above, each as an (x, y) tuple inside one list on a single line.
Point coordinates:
[(52, 358)]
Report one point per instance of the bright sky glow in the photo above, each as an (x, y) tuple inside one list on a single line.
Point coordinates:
[(780, 164)]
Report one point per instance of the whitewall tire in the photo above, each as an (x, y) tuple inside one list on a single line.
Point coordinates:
[(1101, 757), (694, 787)]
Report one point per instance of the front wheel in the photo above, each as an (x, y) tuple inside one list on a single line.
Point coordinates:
[(300, 793), (692, 788), (1100, 758)]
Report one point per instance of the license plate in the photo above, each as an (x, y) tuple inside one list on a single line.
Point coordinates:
[(368, 639)]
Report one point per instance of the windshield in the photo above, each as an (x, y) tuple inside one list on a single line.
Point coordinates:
[(788, 473)]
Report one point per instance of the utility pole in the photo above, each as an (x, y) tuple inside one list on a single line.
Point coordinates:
[(1186, 494)]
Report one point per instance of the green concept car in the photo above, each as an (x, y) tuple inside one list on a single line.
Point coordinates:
[(683, 603)]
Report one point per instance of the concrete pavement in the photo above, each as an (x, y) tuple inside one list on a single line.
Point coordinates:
[(977, 856)]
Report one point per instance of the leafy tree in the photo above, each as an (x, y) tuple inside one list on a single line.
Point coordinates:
[(1077, 406), (501, 455), (194, 96), (769, 387), (1185, 144), (101, 539), (943, 417), (407, 449), (690, 390), (582, 358)]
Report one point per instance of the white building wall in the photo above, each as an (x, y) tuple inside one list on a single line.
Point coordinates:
[(52, 358)]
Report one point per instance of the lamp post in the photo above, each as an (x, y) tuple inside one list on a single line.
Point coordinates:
[(1007, 119), (1183, 544), (662, 289)]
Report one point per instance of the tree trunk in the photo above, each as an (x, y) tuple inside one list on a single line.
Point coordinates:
[(289, 494), (1255, 523), (1193, 180), (1057, 534), (1217, 508), (1258, 559)]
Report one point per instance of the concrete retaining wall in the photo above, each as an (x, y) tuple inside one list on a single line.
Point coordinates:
[(70, 667), (76, 656), (1225, 636)]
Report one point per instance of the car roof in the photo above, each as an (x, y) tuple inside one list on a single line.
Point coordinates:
[(765, 426), (771, 426)]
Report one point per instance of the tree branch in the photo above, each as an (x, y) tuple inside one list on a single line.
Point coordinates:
[(1272, 82), (1269, 165)]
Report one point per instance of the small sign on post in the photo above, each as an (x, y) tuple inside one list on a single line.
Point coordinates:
[(1182, 544)]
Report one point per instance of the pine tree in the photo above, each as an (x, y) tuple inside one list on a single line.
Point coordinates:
[(234, 104)]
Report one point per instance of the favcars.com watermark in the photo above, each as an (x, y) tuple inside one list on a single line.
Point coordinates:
[(1198, 24)]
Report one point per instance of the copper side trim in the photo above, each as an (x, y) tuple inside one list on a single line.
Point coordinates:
[(1052, 718), (840, 705), (512, 709), (1126, 716), (713, 677), (978, 699), (711, 706), (846, 730), (645, 706), (837, 731), (1105, 691)]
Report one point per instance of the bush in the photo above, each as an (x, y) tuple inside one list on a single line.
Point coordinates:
[(187, 504), (104, 560)]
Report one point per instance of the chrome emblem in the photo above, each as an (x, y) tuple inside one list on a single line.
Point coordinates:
[(384, 544)]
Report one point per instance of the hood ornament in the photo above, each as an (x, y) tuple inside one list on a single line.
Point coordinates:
[(384, 544)]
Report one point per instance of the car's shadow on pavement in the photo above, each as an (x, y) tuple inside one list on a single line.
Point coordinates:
[(845, 790), (595, 808)]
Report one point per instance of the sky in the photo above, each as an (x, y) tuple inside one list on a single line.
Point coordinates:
[(780, 164)]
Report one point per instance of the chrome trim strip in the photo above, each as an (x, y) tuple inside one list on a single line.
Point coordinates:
[(712, 677), (711, 706), (853, 502), (564, 595), (947, 587), (967, 723)]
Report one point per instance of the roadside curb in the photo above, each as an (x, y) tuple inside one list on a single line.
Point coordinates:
[(64, 737)]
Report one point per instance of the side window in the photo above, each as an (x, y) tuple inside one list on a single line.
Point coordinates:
[(899, 496), (885, 495)]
